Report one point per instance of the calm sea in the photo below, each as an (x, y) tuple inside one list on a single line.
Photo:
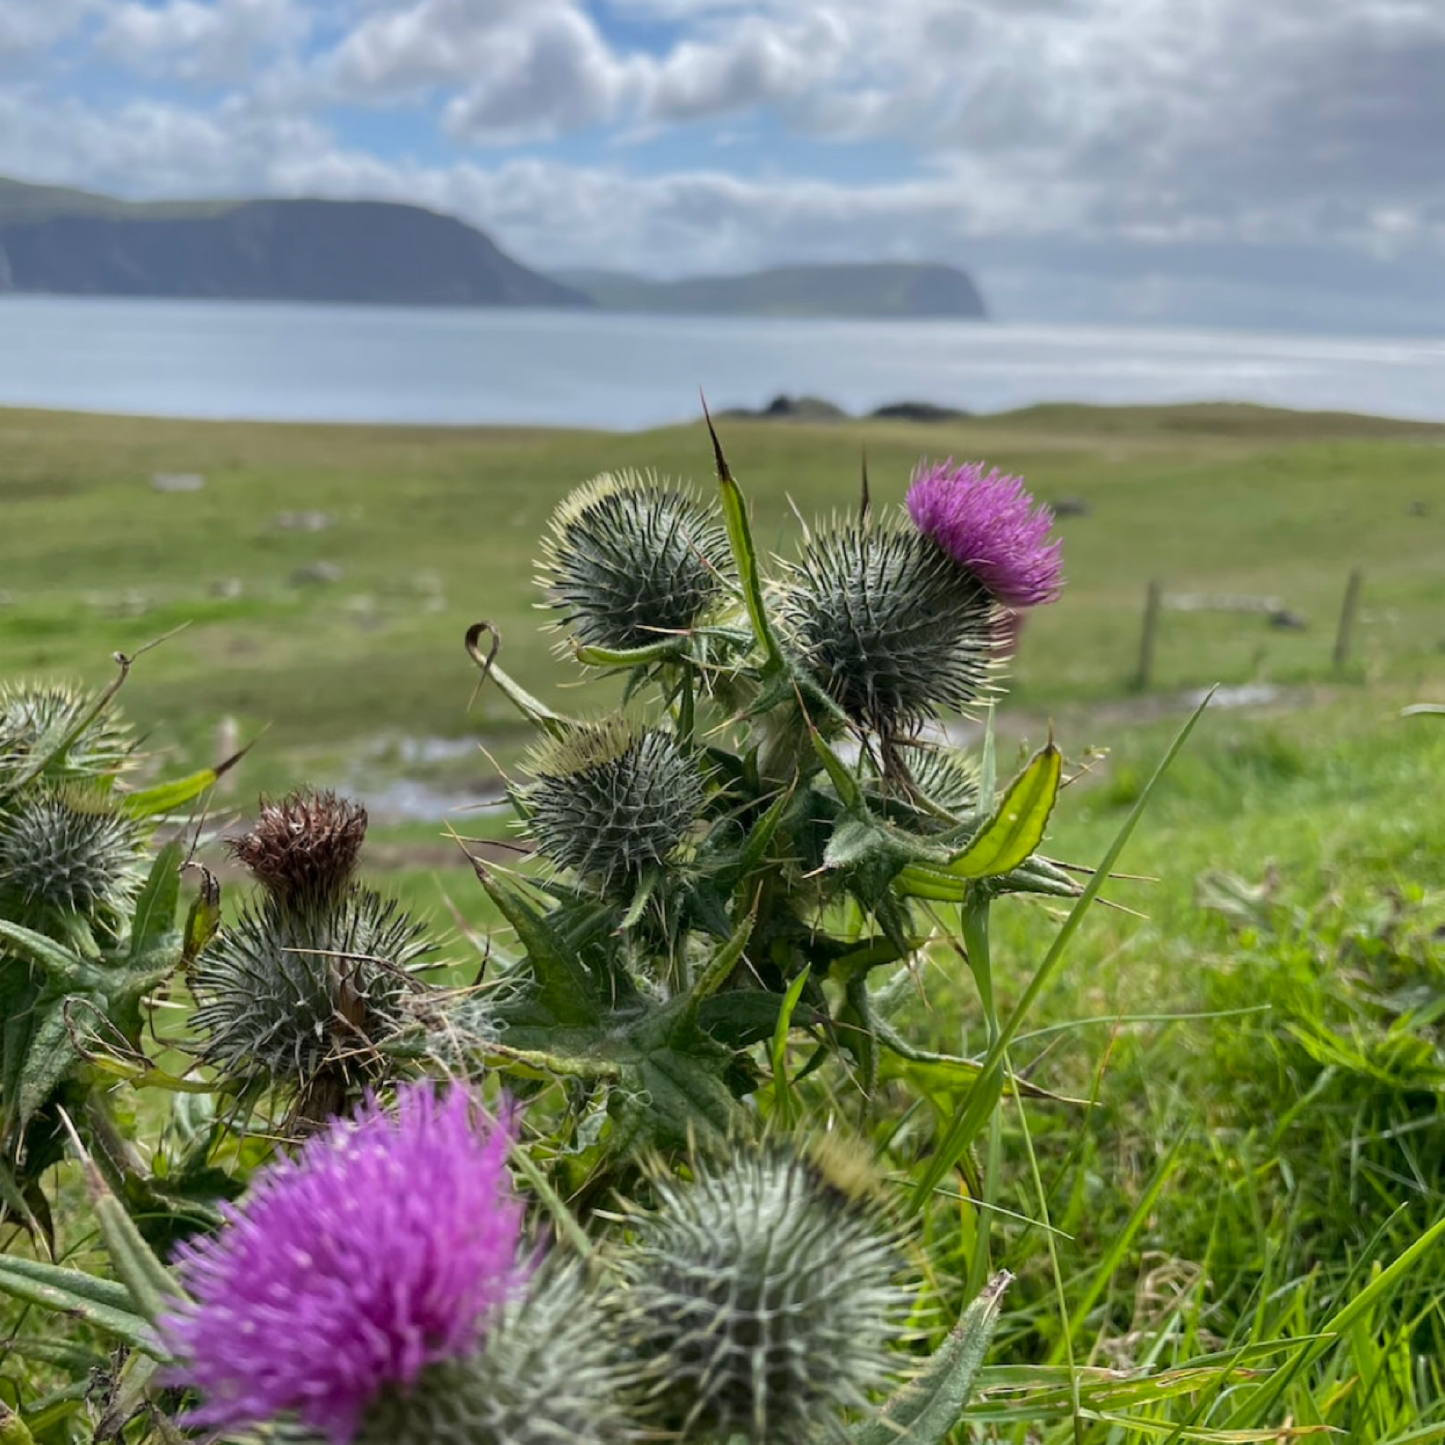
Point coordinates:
[(395, 364)]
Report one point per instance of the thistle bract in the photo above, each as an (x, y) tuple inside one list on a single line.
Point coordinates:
[(304, 848), (611, 800), (988, 524), (889, 627), (286, 993), (760, 1300), (633, 559), (382, 1249), (67, 848), (546, 1373)]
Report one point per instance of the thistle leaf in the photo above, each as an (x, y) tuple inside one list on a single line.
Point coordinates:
[(928, 1408), (155, 910), (99, 1302), (1018, 823)]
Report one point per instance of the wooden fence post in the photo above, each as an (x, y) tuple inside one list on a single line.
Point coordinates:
[(1344, 633), (1153, 600)]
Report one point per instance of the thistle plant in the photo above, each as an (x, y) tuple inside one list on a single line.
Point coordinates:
[(761, 1300), (888, 625), (312, 975), (771, 813), (73, 732), (375, 1256), (633, 559), (86, 917), (549, 1372), (69, 850), (611, 802)]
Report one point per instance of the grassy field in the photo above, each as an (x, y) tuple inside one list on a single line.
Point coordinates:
[(432, 529), (1263, 1051)]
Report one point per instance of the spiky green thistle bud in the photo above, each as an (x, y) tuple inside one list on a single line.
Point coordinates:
[(67, 848), (632, 558), (889, 626), (303, 849), (611, 800), (938, 779), (286, 994), (40, 714), (760, 1299), (547, 1372)]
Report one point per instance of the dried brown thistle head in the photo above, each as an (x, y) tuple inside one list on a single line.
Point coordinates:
[(304, 847)]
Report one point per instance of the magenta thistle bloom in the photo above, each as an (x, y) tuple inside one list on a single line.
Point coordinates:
[(989, 524), (381, 1248)]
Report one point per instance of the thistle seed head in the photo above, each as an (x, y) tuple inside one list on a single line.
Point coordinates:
[(889, 626), (67, 848), (610, 800), (38, 715), (632, 558), (760, 1300), (382, 1250), (303, 849), (285, 994), (547, 1373)]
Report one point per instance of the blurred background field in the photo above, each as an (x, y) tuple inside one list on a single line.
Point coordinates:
[(327, 573)]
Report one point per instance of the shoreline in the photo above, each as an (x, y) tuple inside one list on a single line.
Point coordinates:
[(1210, 415)]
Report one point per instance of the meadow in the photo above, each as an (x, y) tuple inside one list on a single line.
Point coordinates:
[(1206, 1240)]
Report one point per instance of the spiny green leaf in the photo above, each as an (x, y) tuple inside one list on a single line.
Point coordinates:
[(147, 1281), (778, 1052), (926, 1410), (155, 911), (1018, 823), (99, 1302), (60, 963), (167, 797), (745, 555), (564, 986)]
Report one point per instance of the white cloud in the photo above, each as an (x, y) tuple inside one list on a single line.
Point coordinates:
[(191, 40), (1202, 135), (30, 26)]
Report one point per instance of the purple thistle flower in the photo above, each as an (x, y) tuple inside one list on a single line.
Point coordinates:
[(989, 524), (380, 1249)]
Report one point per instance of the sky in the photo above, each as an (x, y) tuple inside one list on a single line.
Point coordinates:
[(1278, 164)]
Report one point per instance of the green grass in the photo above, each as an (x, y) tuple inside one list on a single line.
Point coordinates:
[(1263, 1052), (435, 528)]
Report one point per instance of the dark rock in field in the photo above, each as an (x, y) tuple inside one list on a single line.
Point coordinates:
[(303, 521), (1418, 509), (1070, 507), (788, 408), (177, 481), (917, 411), (805, 408), (316, 574), (1287, 620)]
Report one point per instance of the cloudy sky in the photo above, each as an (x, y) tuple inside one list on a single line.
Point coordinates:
[(1245, 162)]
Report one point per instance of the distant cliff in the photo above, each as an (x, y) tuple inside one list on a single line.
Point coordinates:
[(872, 289), (76, 244)]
